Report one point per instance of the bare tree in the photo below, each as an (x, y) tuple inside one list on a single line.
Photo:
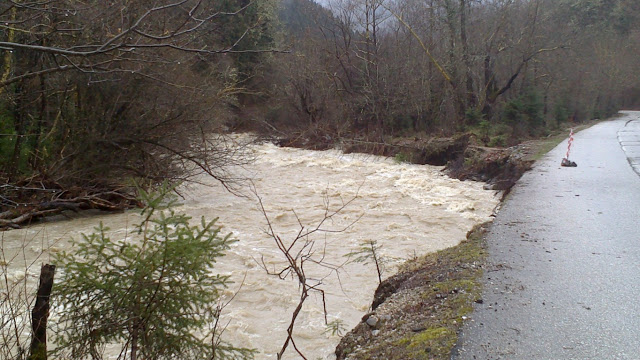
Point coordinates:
[(97, 94), (111, 37)]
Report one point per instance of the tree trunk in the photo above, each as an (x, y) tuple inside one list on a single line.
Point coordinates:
[(8, 55), (489, 86), (19, 133), (40, 314), (134, 345), (466, 60)]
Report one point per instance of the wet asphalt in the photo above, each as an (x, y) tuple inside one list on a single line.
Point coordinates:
[(563, 279)]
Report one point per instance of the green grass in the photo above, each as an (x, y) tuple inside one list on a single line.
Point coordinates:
[(543, 146)]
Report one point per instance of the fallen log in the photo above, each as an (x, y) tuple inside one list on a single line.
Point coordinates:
[(26, 218), (26, 204)]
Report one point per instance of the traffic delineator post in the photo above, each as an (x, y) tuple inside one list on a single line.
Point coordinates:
[(565, 161)]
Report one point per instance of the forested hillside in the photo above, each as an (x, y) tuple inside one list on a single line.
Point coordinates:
[(515, 68), (95, 94)]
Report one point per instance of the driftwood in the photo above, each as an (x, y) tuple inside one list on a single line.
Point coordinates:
[(15, 222), (20, 205)]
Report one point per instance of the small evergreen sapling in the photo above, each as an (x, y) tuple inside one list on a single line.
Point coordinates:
[(153, 294), (367, 252)]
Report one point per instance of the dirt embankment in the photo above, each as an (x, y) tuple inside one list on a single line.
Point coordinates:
[(461, 155), (417, 313)]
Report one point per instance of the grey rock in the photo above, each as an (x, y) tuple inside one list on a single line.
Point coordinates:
[(372, 321)]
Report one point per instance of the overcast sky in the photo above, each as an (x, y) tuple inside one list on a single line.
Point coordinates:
[(322, 2)]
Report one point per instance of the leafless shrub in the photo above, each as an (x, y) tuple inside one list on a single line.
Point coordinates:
[(298, 252)]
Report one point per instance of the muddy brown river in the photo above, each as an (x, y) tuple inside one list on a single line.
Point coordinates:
[(408, 209)]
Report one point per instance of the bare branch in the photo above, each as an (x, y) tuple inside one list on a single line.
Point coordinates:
[(297, 253)]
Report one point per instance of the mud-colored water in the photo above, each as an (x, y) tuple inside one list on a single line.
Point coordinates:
[(408, 209)]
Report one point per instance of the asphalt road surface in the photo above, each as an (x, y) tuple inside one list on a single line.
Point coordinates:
[(563, 280)]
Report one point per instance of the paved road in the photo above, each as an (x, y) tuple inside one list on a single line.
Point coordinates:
[(564, 274)]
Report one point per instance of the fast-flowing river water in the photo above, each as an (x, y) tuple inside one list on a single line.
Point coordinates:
[(409, 210)]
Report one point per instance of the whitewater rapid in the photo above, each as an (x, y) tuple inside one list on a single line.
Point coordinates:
[(408, 209)]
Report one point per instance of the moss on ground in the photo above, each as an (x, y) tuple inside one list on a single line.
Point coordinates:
[(428, 302)]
